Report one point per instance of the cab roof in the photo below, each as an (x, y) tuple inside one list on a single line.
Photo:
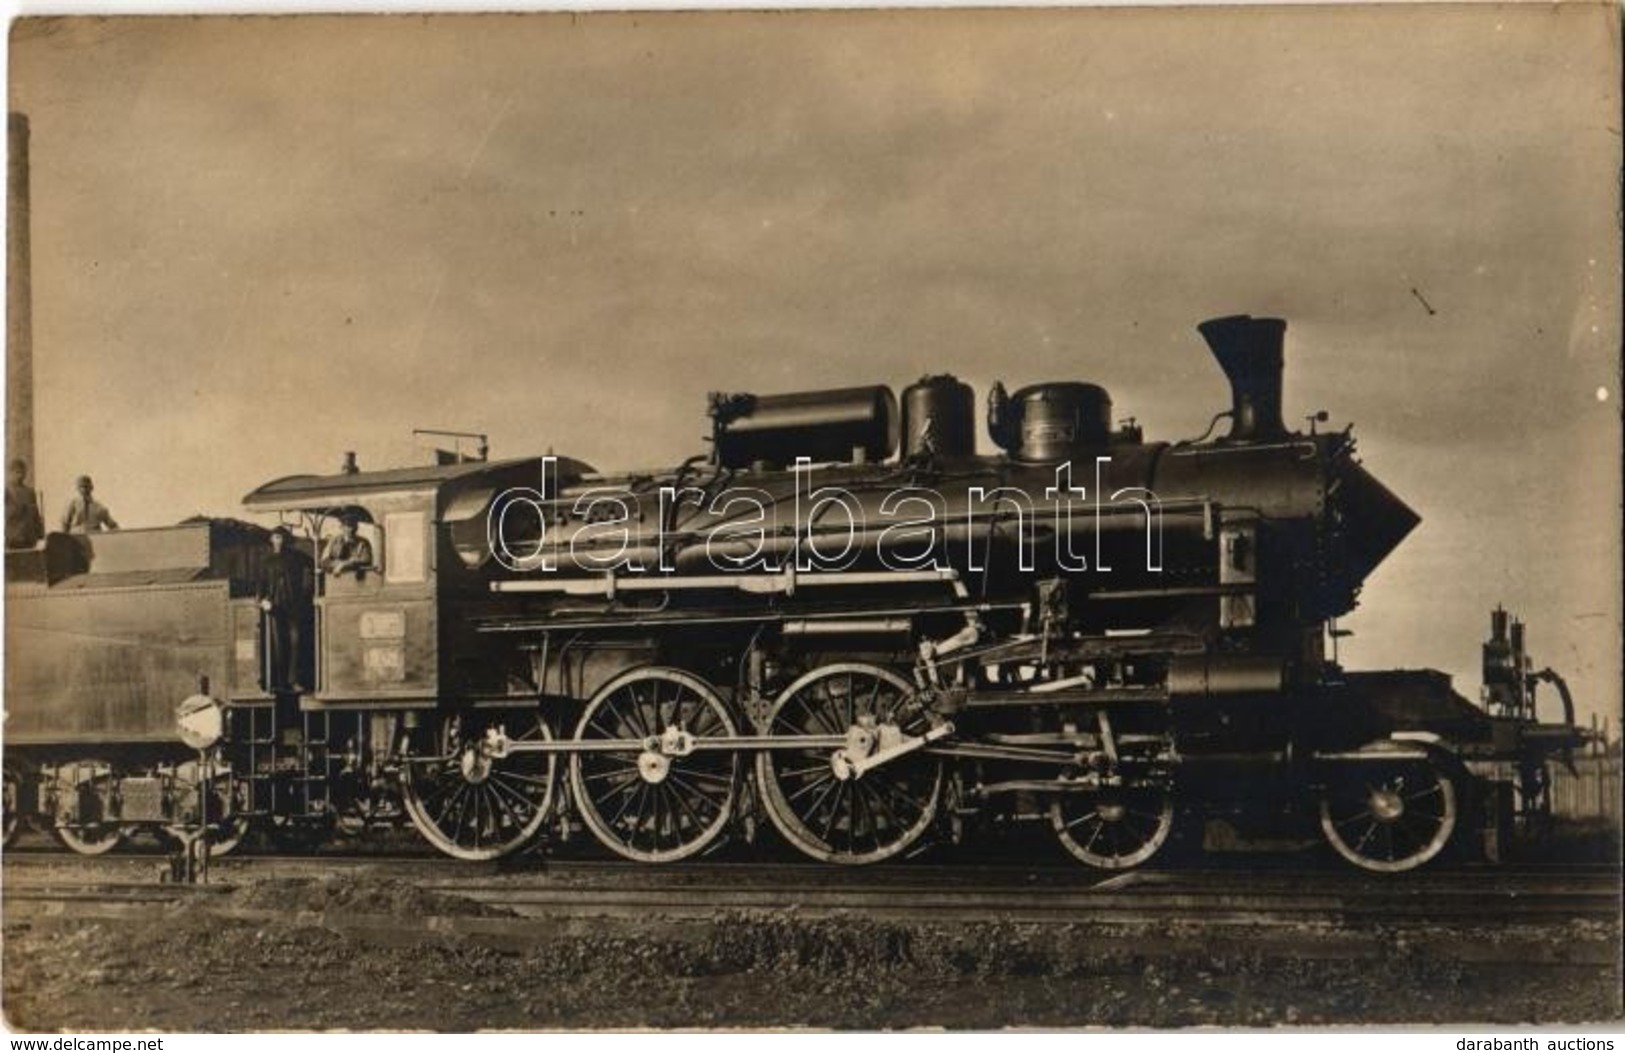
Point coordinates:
[(298, 492)]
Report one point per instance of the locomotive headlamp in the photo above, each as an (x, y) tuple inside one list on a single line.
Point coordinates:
[(200, 721)]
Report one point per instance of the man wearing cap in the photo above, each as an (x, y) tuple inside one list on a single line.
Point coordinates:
[(347, 553), (85, 515), (284, 595), (24, 524)]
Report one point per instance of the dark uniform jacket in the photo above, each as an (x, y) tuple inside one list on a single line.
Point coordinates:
[(285, 579), (24, 524)]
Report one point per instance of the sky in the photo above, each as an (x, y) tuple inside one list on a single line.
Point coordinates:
[(258, 243)]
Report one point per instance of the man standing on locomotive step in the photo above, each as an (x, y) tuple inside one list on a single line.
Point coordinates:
[(85, 515), (284, 594), (24, 524)]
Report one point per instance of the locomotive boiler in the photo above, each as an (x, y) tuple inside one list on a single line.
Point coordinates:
[(846, 621)]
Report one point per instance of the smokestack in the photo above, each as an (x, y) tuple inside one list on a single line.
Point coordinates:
[(19, 296), (1249, 351)]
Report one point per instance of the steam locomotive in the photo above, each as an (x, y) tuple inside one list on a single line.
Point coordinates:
[(841, 619)]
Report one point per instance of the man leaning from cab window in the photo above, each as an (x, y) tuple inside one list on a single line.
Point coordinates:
[(347, 553)]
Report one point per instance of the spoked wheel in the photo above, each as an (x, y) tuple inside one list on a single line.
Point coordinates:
[(472, 804), (816, 798), (663, 799), (1389, 815), (12, 816), (1114, 829)]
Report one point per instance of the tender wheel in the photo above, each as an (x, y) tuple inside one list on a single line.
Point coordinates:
[(664, 799), (229, 836), (89, 839), (225, 835), (1114, 829), (470, 803), (224, 839), (1389, 816), (12, 816), (813, 796), (86, 829)]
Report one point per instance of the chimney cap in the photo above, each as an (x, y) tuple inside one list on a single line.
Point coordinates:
[(1234, 325)]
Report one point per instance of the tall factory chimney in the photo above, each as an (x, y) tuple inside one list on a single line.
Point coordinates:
[(19, 299)]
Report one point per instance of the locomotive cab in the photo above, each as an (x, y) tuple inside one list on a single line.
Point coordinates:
[(377, 619), (369, 618)]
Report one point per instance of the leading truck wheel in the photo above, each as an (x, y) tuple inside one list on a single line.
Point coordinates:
[(1388, 815), (850, 802), (472, 803), (659, 798)]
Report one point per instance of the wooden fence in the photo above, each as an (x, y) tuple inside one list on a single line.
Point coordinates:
[(1591, 791)]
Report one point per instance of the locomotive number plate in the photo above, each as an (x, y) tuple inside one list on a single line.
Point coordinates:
[(383, 625), (384, 663)]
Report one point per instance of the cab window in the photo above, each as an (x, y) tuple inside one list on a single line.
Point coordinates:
[(406, 551)]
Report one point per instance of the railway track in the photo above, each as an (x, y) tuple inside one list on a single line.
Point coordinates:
[(1042, 895), (1284, 872)]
